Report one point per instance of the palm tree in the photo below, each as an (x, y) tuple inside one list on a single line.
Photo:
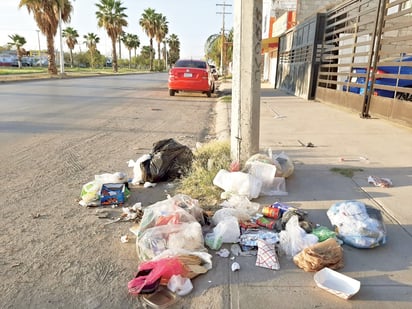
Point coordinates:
[(213, 48), (18, 42), (162, 30), (71, 36), (46, 15), (131, 41), (174, 48), (148, 23), (91, 40), (111, 17)]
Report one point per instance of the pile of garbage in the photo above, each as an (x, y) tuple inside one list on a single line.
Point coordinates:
[(174, 235)]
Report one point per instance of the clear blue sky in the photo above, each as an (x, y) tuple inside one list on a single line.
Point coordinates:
[(193, 21)]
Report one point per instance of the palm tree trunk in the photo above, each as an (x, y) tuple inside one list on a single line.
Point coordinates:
[(158, 54), (114, 55), (130, 58), (71, 58), (151, 54), (51, 55)]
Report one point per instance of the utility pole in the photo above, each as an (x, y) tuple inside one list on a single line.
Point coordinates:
[(245, 119), (222, 50)]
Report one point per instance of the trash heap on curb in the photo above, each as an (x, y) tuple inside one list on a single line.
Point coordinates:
[(173, 235)]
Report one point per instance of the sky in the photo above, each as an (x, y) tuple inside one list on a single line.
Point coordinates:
[(193, 21)]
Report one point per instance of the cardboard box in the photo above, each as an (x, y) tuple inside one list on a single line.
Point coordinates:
[(112, 194)]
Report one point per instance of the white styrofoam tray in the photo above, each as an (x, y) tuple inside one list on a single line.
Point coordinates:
[(337, 283)]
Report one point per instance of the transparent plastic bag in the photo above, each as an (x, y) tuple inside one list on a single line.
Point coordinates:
[(358, 225), (168, 211), (153, 241)]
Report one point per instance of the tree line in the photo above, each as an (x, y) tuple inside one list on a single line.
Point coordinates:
[(111, 16)]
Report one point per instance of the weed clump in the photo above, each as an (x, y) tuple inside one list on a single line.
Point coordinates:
[(198, 182)]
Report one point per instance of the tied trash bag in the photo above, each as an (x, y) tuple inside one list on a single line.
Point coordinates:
[(324, 254), (357, 225), (168, 160)]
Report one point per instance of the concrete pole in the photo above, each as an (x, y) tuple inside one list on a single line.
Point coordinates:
[(245, 117)]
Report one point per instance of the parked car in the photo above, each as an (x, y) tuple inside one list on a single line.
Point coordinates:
[(214, 71), (191, 76), (379, 80)]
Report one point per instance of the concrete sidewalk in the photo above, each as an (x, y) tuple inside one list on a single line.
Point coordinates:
[(341, 139)]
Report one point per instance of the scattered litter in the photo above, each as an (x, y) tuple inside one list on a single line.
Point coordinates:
[(235, 266), (266, 256), (235, 249), (16, 264), (223, 253), (148, 184), (113, 221), (36, 215), (356, 159), (124, 239), (336, 283), (161, 298), (310, 144), (328, 253), (380, 182), (180, 285)]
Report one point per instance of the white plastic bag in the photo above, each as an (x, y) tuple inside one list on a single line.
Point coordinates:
[(179, 285), (241, 203), (294, 239), (225, 213), (137, 172), (118, 177), (228, 229), (239, 183)]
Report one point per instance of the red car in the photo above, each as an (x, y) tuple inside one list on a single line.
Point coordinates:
[(191, 76)]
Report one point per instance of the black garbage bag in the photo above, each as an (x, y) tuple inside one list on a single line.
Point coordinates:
[(168, 160)]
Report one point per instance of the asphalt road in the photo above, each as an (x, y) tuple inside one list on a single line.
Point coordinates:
[(42, 106), (55, 136)]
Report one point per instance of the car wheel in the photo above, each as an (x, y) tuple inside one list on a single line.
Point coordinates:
[(209, 94), (171, 92)]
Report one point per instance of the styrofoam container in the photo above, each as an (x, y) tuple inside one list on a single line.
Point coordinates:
[(336, 283)]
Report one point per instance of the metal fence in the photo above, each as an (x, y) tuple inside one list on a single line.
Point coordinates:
[(364, 63), (363, 60)]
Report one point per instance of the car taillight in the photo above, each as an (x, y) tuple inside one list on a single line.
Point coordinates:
[(379, 72), (205, 75)]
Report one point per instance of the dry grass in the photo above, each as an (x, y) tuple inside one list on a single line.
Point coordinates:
[(198, 184)]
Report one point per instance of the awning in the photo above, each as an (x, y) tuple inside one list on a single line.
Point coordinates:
[(269, 44)]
